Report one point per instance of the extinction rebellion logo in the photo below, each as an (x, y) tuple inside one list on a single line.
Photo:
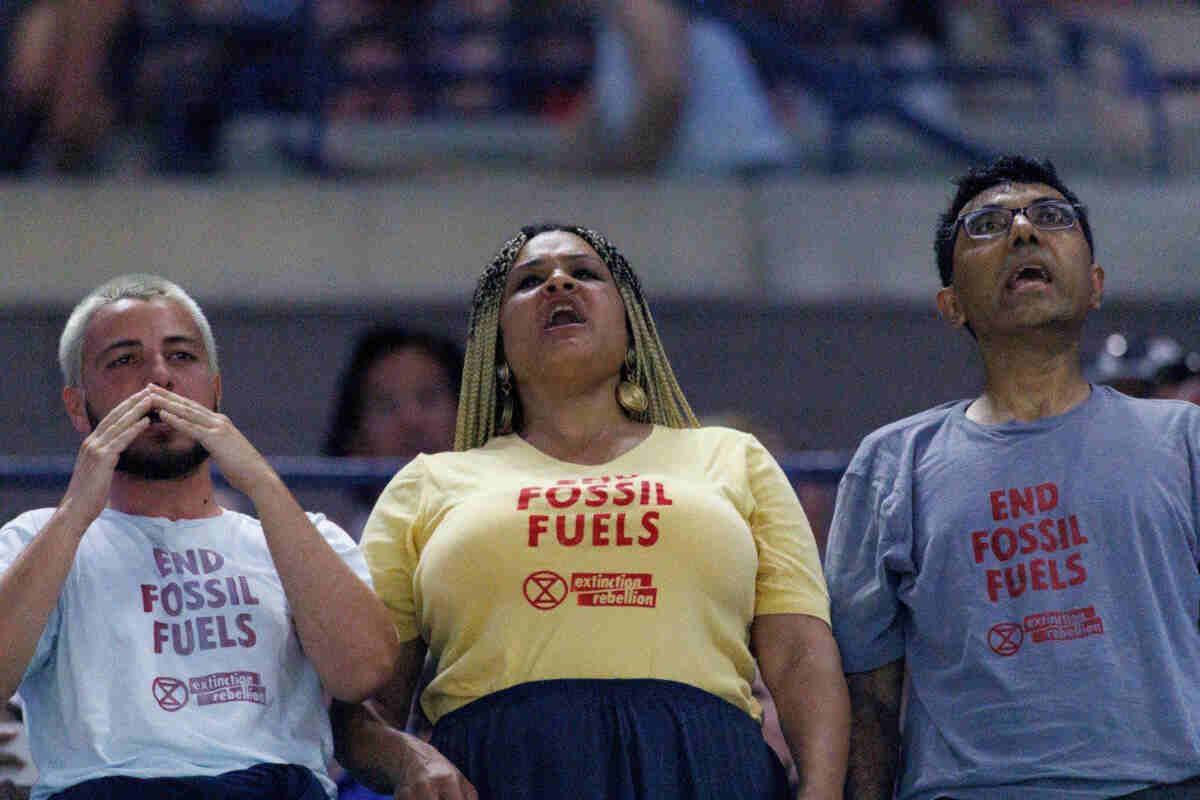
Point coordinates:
[(243, 686), (170, 693), (1006, 638), (546, 590)]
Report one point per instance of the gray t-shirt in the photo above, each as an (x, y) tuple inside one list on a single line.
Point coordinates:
[(1040, 582)]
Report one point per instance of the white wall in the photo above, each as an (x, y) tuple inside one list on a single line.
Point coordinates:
[(805, 240)]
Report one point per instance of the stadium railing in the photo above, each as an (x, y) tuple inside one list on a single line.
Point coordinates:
[(305, 472)]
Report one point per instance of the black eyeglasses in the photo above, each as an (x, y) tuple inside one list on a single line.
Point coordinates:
[(1045, 215)]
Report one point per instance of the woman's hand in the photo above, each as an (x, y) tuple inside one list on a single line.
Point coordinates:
[(426, 774)]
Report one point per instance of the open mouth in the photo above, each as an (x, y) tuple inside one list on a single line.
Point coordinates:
[(563, 315), (1031, 275)]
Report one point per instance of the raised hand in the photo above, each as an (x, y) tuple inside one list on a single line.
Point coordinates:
[(87, 493), (239, 461)]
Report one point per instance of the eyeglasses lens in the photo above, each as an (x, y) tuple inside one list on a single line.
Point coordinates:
[(1048, 216), (1051, 216)]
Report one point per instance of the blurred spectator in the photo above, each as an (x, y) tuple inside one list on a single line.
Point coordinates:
[(1130, 363), (473, 47), (76, 69), (668, 90), (397, 397), (904, 35), (879, 23), (57, 70), (1180, 378), (378, 36), (672, 91)]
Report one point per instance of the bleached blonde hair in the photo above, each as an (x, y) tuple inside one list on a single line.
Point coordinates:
[(135, 286), (479, 401)]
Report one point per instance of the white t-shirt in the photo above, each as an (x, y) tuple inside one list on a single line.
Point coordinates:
[(171, 652)]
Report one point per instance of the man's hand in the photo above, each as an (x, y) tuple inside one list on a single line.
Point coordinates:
[(30, 587), (87, 493), (239, 461), (351, 660)]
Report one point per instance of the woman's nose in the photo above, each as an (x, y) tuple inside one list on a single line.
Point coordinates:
[(559, 281)]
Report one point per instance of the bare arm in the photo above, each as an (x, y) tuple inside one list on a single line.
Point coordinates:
[(875, 732), (656, 34), (29, 588), (368, 740), (801, 667), (80, 111), (353, 660)]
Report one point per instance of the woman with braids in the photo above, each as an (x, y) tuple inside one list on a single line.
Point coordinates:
[(593, 573)]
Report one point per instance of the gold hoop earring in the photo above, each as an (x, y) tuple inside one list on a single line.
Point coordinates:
[(504, 380), (630, 395)]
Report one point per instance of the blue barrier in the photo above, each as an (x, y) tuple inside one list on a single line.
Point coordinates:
[(311, 472)]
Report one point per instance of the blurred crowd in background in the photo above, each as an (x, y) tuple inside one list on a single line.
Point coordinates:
[(630, 84)]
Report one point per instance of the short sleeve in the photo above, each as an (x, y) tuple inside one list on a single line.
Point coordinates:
[(391, 544), (789, 579), (864, 573), (14, 538)]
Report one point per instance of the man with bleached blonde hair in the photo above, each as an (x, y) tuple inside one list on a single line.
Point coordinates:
[(164, 646)]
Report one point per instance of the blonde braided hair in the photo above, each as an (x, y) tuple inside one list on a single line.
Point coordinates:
[(478, 403)]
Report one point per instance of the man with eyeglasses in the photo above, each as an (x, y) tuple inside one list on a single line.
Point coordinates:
[(1022, 567)]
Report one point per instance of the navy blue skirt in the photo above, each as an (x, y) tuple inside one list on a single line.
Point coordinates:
[(610, 740)]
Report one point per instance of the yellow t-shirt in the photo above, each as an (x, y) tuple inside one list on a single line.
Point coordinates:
[(516, 567)]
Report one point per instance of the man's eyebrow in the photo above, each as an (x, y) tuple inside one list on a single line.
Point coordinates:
[(1034, 201), (120, 344)]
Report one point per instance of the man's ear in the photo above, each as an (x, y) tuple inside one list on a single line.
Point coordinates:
[(949, 308), (1097, 287), (76, 405)]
